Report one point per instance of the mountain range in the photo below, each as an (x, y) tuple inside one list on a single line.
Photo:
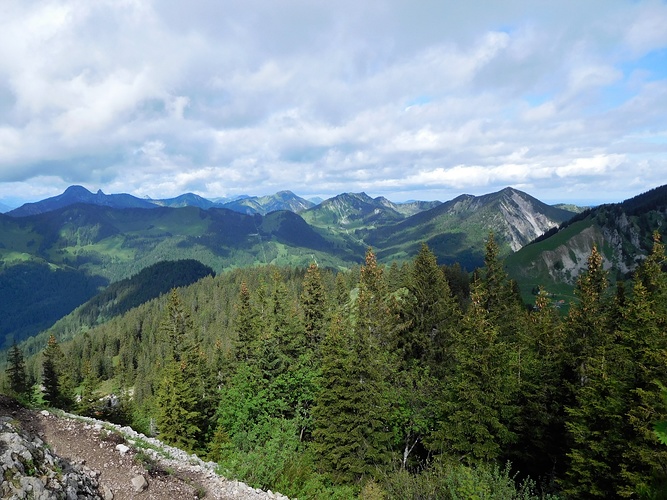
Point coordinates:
[(283, 200), (61, 251)]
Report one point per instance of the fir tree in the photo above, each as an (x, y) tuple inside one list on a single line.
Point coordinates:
[(430, 313), (428, 317), (182, 386), (375, 313), (55, 393), (246, 327), (598, 364), (350, 434), (479, 405), (17, 377), (642, 330), (539, 449), (313, 302), (177, 415), (352, 411), (176, 326), (89, 401)]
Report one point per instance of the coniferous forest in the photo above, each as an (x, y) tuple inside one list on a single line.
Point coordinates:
[(404, 381)]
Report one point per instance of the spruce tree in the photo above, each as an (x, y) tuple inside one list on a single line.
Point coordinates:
[(17, 377), (352, 412), (313, 302), (350, 435), (642, 330), (430, 313), (50, 372), (177, 415), (598, 384), (89, 401), (498, 295), (429, 316), (176, 326), (479, 406), (246, 328), (375, 312), (539, 450), (182, 383)]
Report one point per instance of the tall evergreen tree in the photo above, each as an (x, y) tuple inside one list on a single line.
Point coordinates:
[(539, 450), (52, 358), (350, 436), (598, 384), (246, 327), (352, 412), (17, 377), (177, 416), (479, 405), (176, 327), (88, 401), (642, 330), (313, 302), (182, 383), (375, 312), (430, 313)]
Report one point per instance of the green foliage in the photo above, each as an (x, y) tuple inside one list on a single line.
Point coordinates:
[(350, 414), (182, 398), (33, 296), (313, 301), (376, 383), (479, 404), (19, 384), (446, 480), (177, 417), (57, 391)]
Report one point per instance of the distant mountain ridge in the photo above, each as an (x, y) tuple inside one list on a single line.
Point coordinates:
[(456, 230), (94, 240), (282, 200), (79, 194)]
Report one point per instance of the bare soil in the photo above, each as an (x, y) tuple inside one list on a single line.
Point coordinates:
[(88, 444)]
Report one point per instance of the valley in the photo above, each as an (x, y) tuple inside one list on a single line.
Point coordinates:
[(249, 338)]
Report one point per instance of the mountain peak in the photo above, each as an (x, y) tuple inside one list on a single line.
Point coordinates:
[(76, 190), (79, 194)]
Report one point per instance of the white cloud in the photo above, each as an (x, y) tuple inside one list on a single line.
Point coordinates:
[(153, 98)]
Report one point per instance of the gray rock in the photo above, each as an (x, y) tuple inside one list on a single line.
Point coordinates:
[(106, 491), (139, 483)]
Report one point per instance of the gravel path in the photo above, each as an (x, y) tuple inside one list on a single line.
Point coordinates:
[(118, 457)]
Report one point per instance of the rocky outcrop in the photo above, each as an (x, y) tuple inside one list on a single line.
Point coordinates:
[(46, 455), (31, 470)]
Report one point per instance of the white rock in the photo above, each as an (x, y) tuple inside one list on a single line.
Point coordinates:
[(123, 449)]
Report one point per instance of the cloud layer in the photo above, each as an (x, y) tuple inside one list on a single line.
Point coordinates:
[(425, 100)]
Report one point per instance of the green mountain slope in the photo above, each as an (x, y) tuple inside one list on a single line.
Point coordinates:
[(53, 262), (456, 230), (622, 232), (120, 297), (351, 211)]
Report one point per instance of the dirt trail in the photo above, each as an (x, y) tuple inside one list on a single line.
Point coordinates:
[(89, 443)]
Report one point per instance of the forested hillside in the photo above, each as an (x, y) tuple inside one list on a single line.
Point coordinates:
[(396, 380), (57, 253)]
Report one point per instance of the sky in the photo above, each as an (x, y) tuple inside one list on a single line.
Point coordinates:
[(425, 100)]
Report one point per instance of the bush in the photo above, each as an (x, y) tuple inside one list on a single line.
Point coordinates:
[(457, 481)]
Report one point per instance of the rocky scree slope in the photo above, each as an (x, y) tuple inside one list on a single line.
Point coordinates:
[(49, 456)]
